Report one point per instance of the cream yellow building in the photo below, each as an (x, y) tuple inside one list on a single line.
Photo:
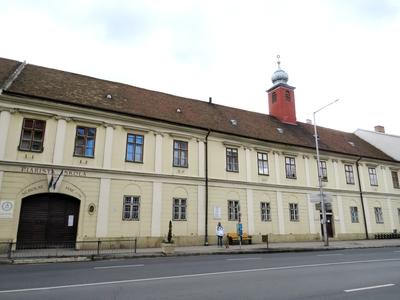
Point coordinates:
[(86, 159)]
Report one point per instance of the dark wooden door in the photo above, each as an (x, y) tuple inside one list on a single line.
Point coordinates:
[(48, 220), (329, 225)]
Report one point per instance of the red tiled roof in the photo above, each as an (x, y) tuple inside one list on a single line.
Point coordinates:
[(55, 85)]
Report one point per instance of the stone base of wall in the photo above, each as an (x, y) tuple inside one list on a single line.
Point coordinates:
[(350, 236)]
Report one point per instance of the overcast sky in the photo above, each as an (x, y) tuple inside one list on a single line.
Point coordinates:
[(346, 49)]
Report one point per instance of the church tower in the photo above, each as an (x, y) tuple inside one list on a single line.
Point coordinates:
[(281, 97)]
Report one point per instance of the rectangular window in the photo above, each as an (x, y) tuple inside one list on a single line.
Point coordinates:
[(378, 215), (354, 214), (294, 211), (32, 135), (179, 209), (233, 210), (395, 179), (349, 174), (323, 170), (134, 148), (265, 211), (85, 141), (131, 208), (373, 178), (180, 154), (232, 160), (262, 159), (290, 166)]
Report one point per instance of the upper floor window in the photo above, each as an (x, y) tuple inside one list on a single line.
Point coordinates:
[(294, 211), (373, 178), (134, 148), (131, 208), (324, 171), (395, 179), (85, 141), (32, 135), (179, 209), (233, 210), (180, 154), (349, 174), (265, 211), (262, 159), (232, 160), (290, 167), (378, 215), (354, 214)]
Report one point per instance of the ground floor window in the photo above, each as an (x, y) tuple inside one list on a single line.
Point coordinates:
[(131, 208), (233, 210), (354, 214), (294, 211), (179, 209), (378, 215), (265, 211)]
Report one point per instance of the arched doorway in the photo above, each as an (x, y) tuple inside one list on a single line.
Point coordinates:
[(48, 220)]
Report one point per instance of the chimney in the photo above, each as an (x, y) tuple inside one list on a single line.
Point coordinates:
[(379, 129)]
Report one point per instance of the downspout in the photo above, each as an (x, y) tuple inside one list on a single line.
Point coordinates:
[(362, 198), (206, 182)]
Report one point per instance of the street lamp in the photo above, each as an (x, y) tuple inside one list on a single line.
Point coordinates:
[(321, 193)]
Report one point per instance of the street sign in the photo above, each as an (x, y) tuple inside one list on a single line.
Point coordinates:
[(328, 206), (316, 197)]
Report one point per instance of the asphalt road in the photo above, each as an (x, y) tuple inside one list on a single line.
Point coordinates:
[(344, 274)]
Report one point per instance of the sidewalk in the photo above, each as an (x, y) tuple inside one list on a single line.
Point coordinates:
[(213, 249)]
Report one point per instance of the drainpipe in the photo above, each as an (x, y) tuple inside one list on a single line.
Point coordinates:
[(362, 198), (206, 182)]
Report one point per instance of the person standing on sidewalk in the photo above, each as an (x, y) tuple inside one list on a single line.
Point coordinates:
[(220, 234)]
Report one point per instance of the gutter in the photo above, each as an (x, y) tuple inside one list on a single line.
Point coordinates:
[(206, 182), (362, 198)]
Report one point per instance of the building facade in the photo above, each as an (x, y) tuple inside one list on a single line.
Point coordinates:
[(86, 159)]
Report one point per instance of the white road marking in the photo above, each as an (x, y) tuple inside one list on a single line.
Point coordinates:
[(195, 275), (330, 254), (369, 288), (121, 266), (396, 251), (247, 258)]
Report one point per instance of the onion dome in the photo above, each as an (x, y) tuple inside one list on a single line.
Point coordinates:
[(279, 76)]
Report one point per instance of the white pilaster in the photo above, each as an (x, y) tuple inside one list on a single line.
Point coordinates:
[(391, 220), (1, 180), (341, 214), (385, 181), (250, 211), (158, 154), (367, 215), (281, 217), (201, 209), (307, 167), (4, 125), (201, 150), (60, 141), (104, 201), (277, 168), (311, 221), (108, 143), (335, 169), (360, 168), (248, 165), (156, 210)]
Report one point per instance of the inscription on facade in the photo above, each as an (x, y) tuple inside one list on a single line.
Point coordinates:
[(37, 188), (49, 171)]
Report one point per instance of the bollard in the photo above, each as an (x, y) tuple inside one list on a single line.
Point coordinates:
[(98, 247), (9, 250), (135, 244)]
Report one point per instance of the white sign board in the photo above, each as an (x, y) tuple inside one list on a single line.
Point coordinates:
[(70, 220), (217, 213), (6, 208), (316, 198)]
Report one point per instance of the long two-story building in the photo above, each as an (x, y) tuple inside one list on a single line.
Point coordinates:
[(85, 159)]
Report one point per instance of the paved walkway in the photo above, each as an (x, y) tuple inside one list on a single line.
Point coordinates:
[(213, 249)]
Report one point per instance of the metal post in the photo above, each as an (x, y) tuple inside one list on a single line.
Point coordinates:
[(98, 247), (9, 250), (321, 193)]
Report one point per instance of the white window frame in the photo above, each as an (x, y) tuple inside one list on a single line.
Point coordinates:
[(262, 163), (349, 173), (294, 212), (233, 210), (265, 208), (378, 215), (373, 177), (354, 214), (290, 167), (131, 206)]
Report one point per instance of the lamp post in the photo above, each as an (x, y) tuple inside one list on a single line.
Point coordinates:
[(321, 193)]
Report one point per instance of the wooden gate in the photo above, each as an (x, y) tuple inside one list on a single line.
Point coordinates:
[(48, 220)]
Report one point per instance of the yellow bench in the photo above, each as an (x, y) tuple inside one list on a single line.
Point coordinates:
[(233, 237)]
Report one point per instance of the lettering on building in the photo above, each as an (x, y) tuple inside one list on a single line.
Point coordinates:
[(49, 171)]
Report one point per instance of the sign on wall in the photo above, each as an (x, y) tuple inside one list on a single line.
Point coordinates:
[(6, 208), (217, 213)]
